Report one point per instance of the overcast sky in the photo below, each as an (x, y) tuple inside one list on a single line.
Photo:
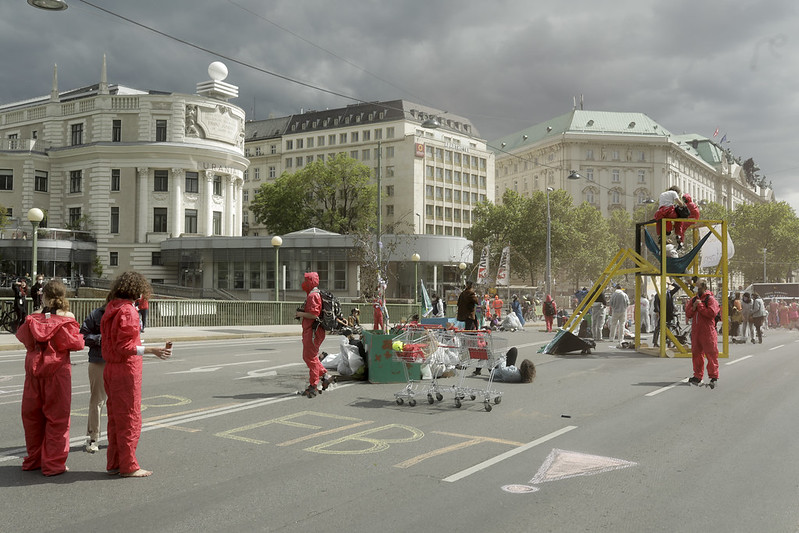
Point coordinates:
[(691, 65)]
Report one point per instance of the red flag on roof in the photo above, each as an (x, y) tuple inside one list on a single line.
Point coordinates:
[(715, 133)]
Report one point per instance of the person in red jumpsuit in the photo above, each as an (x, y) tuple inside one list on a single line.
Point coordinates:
[(312, 335), (122, 351), (497, 306), (47, 394), (377, 318), (693, 209), (550, 310), (701, 310)]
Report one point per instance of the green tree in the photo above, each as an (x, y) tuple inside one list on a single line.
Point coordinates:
[(773, 226), (590, 246), (335, 195)]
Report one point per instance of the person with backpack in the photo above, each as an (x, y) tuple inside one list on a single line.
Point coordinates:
[(550, 310), (49, 337), (312, 335), (90, 329)]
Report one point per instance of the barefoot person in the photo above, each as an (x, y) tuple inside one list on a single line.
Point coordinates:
[(47, 393), (122, 351)]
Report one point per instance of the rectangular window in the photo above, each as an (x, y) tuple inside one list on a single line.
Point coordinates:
[(367, 135), (378, 134), (155, 259), (428, 191), (289, 162), (74, 216), (390, 132), (354, 154), (389, 190), (159, 219), (589, 154), (75, 180), (298, 161), (217, 222), (192, 182), (320, 141), (354, 137), (257, 172), (116, 176), (76, 134), (245, 195), (272, 172), (616, 178), (389, 210), (331, 139), (160, 130), (218, 185), (309, 142), (289, 144), (366, 155), (389, 152), (273, 149), (113, 259), (160, 180), (190, 221), (114, 220), (642, 176), (342, 138), (299, 144), (40, 182), (116, 131)]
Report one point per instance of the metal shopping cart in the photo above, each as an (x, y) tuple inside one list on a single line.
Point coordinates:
[(479, 349), (414, 346)]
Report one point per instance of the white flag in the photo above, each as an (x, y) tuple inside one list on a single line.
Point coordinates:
[(503, 272), (482, 267)]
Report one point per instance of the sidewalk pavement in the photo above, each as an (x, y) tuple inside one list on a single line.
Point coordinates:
[(177, 334)]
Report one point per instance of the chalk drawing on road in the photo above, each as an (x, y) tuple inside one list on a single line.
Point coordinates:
[(562, 464)]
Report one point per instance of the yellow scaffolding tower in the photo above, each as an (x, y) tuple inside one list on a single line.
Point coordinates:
[(660, 274)]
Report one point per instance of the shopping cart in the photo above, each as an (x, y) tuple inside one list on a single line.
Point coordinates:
[(414, 346), (479, 349)]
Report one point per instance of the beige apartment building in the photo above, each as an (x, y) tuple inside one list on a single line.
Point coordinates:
[(431, 177)]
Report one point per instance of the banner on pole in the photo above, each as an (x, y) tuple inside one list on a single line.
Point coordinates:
[(428, 304), (482, 267), (503, 272)]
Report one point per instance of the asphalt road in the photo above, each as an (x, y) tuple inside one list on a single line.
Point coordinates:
[(614, 441)]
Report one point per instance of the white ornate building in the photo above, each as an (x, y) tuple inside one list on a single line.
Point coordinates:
[(131, 167), (625, 159)]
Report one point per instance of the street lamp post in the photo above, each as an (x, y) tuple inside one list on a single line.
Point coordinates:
[(415, 258), (462, 268), (277, 241), (549, 245), (35, 216)]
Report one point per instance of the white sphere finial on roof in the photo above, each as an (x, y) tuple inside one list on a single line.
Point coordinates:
[(217, 70)]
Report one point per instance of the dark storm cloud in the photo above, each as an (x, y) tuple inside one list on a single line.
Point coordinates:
[(692, 66)]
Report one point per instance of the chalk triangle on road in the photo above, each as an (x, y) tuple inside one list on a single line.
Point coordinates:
[(562, 464)]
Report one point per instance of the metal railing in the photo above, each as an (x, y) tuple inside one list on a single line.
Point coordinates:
[(221, 313)]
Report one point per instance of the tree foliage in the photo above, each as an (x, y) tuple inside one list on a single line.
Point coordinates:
[(773, 226), (335, 195)]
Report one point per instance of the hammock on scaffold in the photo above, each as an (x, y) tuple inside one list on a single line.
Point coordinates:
[(675, 265)]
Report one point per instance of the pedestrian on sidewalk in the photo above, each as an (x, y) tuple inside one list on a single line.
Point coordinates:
[(759, 315), (467, 300), (49, 337), (701, 310), (122, 351), (619, 302)]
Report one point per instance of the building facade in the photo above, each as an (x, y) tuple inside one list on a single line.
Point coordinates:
[(430, 178), (131, 167), (626, 160)]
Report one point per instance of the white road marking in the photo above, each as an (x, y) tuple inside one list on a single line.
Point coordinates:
[(214, 368), (490, 462), (264, 372), (776, 347), (664, 389), (738, 360)]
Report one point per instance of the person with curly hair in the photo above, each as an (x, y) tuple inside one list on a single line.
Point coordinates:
[(49, 337), (122, 351)]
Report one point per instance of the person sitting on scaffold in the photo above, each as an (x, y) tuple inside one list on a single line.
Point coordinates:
[(668, 202)]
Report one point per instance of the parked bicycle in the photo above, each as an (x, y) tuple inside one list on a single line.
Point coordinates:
[(8, 320)]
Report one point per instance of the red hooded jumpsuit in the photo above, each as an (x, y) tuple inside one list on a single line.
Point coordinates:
[(312, 338), (704, 338), (47, 394), (122, 378)]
